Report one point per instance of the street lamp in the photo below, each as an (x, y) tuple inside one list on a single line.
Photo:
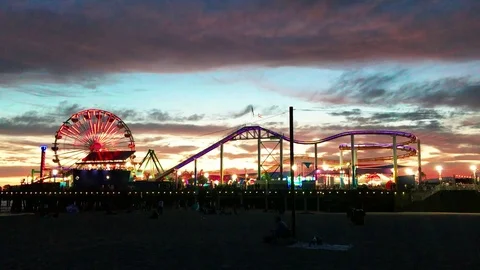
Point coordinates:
[(439, 169), (178, 174), (473, 168), (294, 169), (54, 173)]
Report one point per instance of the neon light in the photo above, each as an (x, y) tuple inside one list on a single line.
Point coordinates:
[(89, 132), (410, 138)]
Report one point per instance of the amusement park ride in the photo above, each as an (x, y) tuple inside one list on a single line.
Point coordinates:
[(99, 140)]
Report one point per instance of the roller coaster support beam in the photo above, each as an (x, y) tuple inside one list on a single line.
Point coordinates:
[(419, 154), (342, 184), (221, 164), (395, 163), (195, 173), (259, 156), (176, 179), (356, 167), (353, 165), (292, 175), (315, 163), (33, 174)]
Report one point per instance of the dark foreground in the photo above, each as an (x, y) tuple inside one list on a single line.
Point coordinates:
[(185, 240)]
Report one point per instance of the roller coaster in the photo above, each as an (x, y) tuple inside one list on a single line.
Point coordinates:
[(258, 132)]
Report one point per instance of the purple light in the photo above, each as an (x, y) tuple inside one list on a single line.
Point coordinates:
[(400, 145)]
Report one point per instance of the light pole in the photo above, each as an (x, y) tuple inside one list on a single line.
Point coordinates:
[(439, 169), (473, 168), (292, 161), (206, 175), (178, 174), (54, 173)]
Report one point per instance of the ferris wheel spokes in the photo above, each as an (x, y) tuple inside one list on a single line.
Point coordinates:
[(90, 131)]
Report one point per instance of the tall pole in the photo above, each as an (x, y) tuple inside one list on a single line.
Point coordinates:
[(292, 176), (395, 164), (342, 184), (221, 164), (42, 161), (419, 154), (353, 173), (281, 158), (315, 164), (356, 167)]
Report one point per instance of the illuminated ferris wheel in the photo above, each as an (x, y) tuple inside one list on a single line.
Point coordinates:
[(90, 131)]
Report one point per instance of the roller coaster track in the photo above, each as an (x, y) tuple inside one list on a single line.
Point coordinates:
[(236, 135)]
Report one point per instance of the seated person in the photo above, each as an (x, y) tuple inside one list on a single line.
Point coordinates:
[(281, 231)]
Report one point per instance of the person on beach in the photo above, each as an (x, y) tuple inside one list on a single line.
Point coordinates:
[(160, 207), (281, 231)]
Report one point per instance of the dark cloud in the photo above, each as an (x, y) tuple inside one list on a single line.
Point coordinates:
[(346, 113), (162, 116), (78, 38), (388, 88), (247, 110), (454, 92), (46, 121), (66, 109), (128, 115), (429, 119), (30, 118), (422, 114)]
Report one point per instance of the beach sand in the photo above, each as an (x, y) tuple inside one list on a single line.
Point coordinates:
[(183, 239)]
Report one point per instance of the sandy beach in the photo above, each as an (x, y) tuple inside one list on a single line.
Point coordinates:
[(182, 239)]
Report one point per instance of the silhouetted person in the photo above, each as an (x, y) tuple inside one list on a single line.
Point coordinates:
[(160, 207), (281, 231)]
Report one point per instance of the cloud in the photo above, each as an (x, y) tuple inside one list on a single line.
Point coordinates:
[(346, 113), (163, 116), (392, 87), (186, 130), (72, 40), (247, 110), (47, 120), (473, 122)]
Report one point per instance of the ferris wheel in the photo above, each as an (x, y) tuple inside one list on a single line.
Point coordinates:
[(90, 131)]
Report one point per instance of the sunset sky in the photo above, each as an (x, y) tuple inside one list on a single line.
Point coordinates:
[(180, 73)]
